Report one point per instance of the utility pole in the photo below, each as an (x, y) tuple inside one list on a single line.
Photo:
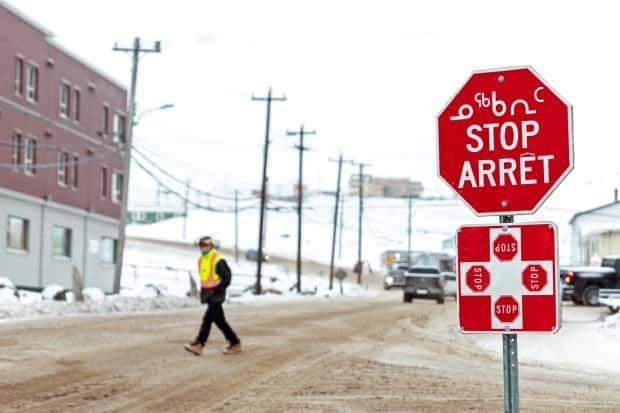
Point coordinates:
[(120, 245), (341, 228), (236, 225), (300, 191), (359, 224), (331, 266), (263, 191), (185, 204), (409, 236)]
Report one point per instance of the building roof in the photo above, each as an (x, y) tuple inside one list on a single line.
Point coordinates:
[(51, 39), (590, 211)]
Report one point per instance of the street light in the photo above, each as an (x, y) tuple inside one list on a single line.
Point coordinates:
[(144, 112)]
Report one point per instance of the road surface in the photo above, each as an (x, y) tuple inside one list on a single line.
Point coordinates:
[(348, 355)]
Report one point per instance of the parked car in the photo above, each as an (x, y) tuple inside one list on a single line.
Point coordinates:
[(394, 278), (252, 255), (423, 282), (449, 283)]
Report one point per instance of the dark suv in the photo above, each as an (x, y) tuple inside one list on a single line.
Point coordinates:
[(423, 282)]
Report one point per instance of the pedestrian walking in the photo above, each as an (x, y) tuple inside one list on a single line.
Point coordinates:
[(215, 277)]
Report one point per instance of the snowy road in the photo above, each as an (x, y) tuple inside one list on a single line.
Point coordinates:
[(350, 355)]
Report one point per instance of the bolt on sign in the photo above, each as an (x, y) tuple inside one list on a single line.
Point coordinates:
[(508, 278), (505, 141)]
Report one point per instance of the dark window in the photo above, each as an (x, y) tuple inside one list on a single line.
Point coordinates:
[(117, 187), (74, 167), (17, 233), (118, 128), (104, 182), (107, 250), (19, 76), (63, 168), (32, 83), (16, 150), (64, 99), (76, 105), (30, 151), (61, 242), (106, 120)]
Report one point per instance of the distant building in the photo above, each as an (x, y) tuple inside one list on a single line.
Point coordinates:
[(385, 187), (149, 214), (595, 233), (62, 130)]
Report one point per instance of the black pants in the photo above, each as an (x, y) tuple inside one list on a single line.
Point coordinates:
[(215, 313)]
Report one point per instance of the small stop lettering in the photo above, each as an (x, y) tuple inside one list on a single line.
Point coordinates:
[(477, 278), (509, 246), (534, 279), (506, 309)]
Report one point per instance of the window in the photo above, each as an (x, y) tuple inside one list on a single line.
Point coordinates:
[(32, 83), (76, 105), (63, 168), (16, 149), (19, 76), (61, 242), (117, 187), (64, 97), (106, 120), (595, 247), (17, 233), (118, 128), (30, 146), (74, 167), (104, 182), (107, 250)]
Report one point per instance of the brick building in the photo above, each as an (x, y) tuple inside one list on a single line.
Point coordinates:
[(62, 129)]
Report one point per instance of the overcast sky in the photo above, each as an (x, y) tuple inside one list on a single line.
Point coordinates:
[(369, 76)]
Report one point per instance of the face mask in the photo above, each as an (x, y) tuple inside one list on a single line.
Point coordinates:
[(205, 250)]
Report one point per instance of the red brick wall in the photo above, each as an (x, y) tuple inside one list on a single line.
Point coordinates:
[(43, 121)]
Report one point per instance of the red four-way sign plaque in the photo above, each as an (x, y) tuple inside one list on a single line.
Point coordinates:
[(505, 141), (507, 278)]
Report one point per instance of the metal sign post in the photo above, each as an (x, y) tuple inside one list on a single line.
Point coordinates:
[(511, 358), (511, 374)]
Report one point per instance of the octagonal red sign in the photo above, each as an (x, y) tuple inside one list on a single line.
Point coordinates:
[(506, 309), (505, 247), (505, 141), (534, 277), (478, 278)]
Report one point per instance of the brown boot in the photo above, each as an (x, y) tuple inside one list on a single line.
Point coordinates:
[(194, 347), (232, 349)]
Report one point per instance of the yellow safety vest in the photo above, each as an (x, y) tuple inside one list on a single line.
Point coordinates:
[(207, 268)]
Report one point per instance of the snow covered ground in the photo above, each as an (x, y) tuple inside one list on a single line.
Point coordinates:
[(158, 279)]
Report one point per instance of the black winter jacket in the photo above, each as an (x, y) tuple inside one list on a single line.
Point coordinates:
[(217, 295)]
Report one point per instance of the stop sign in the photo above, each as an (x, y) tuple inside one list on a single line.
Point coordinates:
[(534, 277), (477, 278), (505, 247), (506, 309), (505, 141)]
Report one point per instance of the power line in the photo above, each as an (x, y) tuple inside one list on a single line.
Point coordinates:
[(183, 198), (178, 180)]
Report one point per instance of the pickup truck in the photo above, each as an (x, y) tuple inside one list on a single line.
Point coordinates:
[(582, 284), (423, 282)]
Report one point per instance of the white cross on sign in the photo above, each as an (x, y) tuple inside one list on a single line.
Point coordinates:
[(506, 284)]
